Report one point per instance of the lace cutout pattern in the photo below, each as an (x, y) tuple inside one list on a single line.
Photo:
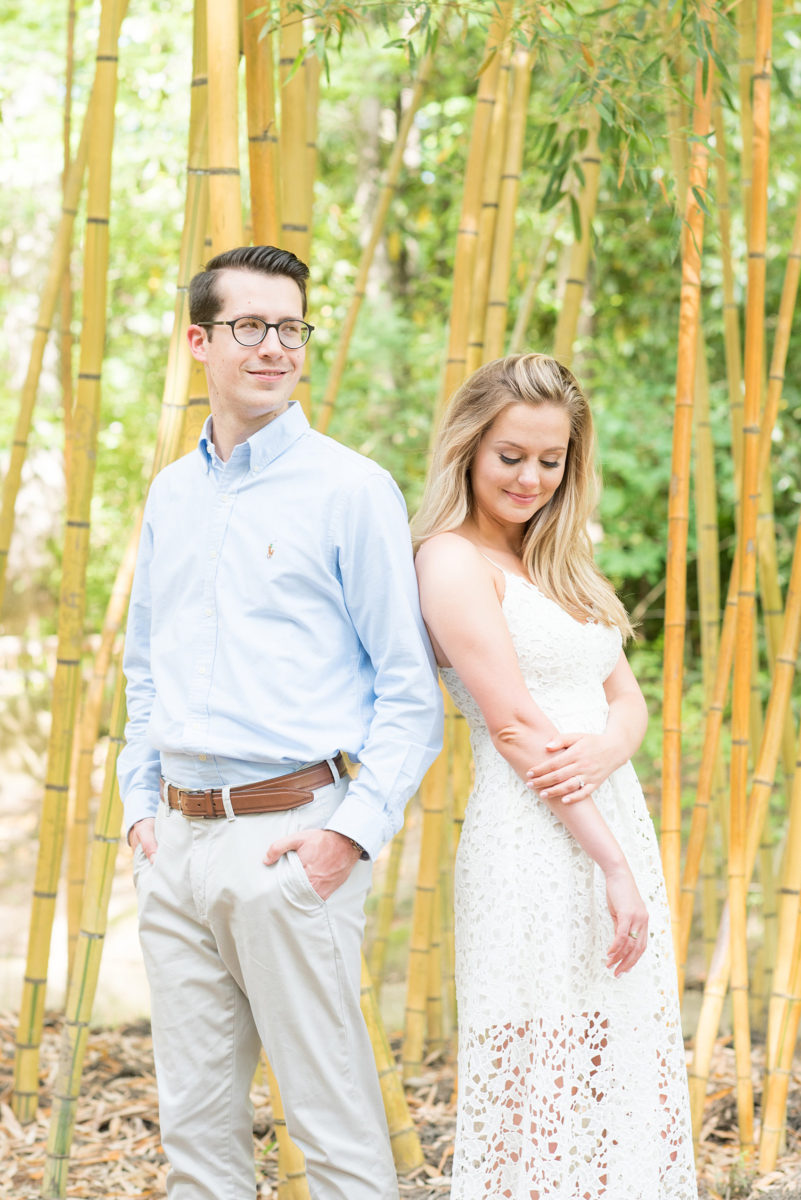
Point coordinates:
[(572, 1083)]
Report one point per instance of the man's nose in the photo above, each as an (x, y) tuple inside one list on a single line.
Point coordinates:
[(270, 343)]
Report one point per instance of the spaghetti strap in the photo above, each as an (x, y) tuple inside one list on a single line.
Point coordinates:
[(493, 562)]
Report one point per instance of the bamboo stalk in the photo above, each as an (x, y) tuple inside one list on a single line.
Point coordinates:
[(225, 201), (44, 320), (406, 1149), (526, 305), (434, 1023), (754, 356), (386, 909), (66, 298), (498, 301), (76, 546), (467, 233), (745, 72), (388, 189), (678, 504), (731, 320), (487, 219), (295, 202), (432, 795), (292, 1182), (714, 718), (87, 734), (774, 1097), (570, 310), (179, 381), (88, 952), (262, 128)]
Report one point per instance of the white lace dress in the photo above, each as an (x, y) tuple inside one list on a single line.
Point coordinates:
[(572, 1084)]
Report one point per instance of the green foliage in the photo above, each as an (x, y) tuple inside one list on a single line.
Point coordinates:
[(620, 59)]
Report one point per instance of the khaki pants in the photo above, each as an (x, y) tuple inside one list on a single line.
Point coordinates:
[(240, 955)]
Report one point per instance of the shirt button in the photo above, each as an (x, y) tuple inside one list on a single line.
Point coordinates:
[(209, 612), (202, 757), (201, 670), (213, 554)]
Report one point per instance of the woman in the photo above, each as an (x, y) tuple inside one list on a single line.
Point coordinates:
[(572, 1080)]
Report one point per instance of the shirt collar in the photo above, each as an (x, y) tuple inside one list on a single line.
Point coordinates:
[(267, 444)]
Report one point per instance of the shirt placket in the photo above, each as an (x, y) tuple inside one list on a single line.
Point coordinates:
[(225, 482)]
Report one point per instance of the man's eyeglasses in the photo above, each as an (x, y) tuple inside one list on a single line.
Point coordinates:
[(251, 331)]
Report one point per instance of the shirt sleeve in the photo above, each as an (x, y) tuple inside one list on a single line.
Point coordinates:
[(138, 764), (380, 591)]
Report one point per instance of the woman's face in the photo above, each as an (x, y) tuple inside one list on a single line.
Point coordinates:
[(520, 462)]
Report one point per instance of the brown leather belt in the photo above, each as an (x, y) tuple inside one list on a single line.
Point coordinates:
[(267, 795)]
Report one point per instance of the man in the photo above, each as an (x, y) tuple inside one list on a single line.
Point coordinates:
[(274, 622)]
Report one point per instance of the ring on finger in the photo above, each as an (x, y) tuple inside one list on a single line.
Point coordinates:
[(633, 935), (580, 780)]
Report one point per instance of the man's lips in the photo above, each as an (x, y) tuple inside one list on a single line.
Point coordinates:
[(268, 373)]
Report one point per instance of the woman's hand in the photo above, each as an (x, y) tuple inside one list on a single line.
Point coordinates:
[(630, 917), (577, 763)]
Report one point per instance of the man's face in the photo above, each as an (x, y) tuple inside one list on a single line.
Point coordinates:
[(250, 385)]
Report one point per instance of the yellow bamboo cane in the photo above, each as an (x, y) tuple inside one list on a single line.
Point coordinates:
[(66, 298), (292, 1182), (296, 201), (526, 305), (86, 967), (262, 128), (386, 909), (72, 593), (731, 309), (498, 301), (754, 357), (467, 233), (778, 704), (225, 200), (87, 734), (311, 84), (461, 785), (567, 321), (774, 1096), (406, 1149), (678, 503), (388, 189), (714, 718), (432, 794), (745, 17), (44, 320), (178, 375), (295, 205), (487, 220)]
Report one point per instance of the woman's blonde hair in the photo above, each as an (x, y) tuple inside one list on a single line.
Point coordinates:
[(557, 551)]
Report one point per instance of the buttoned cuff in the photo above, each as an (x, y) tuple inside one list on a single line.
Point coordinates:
[(361, 822), (138, 806)]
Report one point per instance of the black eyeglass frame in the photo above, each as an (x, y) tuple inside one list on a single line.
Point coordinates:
[(268, 325)]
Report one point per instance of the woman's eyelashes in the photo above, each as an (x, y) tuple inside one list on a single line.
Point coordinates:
[(511, 462)]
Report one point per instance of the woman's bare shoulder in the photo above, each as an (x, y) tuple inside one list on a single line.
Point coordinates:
[(446, 552)]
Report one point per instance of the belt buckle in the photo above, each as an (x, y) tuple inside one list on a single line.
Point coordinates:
[(185, 792)]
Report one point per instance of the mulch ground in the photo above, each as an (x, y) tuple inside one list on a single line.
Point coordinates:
[(117, 1152)]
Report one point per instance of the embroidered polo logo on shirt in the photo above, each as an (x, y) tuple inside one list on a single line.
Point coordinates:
[(270, 550)]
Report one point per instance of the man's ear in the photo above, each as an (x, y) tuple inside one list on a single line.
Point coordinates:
[(198, 341)]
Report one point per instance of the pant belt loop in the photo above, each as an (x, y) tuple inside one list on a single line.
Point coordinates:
[(226, 799), (335, 775)]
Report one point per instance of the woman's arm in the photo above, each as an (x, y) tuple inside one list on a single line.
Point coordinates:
[(462, 610), (592, 757)]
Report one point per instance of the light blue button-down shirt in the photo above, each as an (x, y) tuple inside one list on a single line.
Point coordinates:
[(274, 620)]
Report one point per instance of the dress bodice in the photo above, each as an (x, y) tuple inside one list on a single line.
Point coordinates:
[(564, 661)]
